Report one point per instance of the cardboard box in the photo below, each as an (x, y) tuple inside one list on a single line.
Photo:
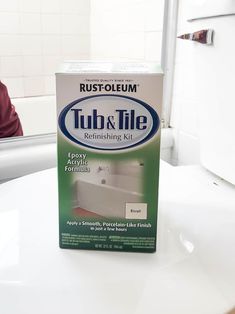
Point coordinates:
[(108, 155)]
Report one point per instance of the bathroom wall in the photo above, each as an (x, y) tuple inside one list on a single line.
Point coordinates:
[(133, 168), (126, 29), (35, 36)]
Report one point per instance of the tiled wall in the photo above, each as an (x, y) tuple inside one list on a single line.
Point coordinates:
[(35, 36), (123, 29)]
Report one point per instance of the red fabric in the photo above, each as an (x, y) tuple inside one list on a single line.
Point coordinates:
[(9, 121)]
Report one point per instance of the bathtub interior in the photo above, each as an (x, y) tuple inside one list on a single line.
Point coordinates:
[(37, 114), (105, 190), (122, 182), (104, 200)]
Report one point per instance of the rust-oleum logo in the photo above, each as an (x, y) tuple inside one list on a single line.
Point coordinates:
[(109, 122), (126, 88)]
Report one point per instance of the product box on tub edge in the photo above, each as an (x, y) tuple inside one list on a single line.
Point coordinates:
[(108, 155)]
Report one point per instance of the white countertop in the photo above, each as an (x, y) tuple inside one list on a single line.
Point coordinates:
[(193, 270)]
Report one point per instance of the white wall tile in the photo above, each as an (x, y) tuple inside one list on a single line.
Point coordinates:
[(153, 15), (76, 44), (51, 45), (9, 23), (117, 46), (34, 86), (74, 24), (32, 66), (98, 23), (50, 6), (51, 64), (133, 19), (75, 56), (104, 6), (31, 41), (30, 6), (118, 20), (50, 85), (11, 66), (123, 21), (9, 6), (31, 45), (153, 46), (121, 29), (132, 46), (10, 45), (99, 47), (30, 23), (81, 7), (50, 23), (14, 86)]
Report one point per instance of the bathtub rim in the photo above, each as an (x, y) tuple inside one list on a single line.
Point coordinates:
[(110, 187), (36, 139)]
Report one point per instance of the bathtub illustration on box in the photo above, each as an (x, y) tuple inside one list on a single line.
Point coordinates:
[(107, 195)]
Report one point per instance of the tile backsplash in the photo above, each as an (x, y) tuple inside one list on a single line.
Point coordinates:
[(127, 29), (36, 36)]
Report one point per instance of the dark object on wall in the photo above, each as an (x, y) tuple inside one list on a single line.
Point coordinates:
[(204, 36)]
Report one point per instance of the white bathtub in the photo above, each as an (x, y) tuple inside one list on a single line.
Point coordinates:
[(108, 197), (37, 114)]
